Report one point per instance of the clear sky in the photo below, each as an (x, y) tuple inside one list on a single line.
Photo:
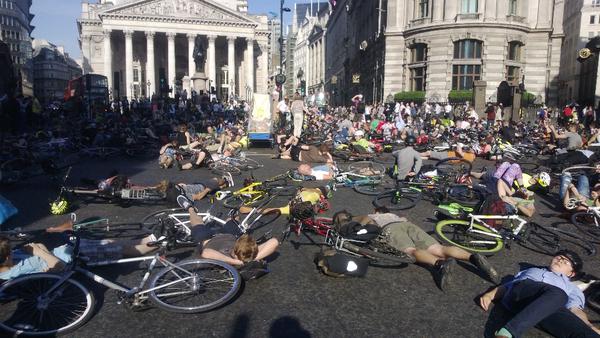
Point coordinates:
[(55, 19)]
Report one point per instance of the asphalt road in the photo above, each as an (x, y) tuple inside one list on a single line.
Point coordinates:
[(294, 300)]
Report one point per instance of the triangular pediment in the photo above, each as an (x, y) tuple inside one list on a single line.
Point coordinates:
[(180, 9)]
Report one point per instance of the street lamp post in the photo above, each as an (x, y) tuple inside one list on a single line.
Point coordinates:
[(281, 10), (148, 94)]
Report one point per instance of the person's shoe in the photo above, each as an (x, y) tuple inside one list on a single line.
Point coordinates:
[(502, 333), (443, 272), (483, 265), (185, 202)]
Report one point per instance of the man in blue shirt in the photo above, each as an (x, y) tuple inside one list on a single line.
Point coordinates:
[(544, 297)]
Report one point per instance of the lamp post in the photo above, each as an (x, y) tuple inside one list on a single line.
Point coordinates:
[(148, 94), (281, 10)]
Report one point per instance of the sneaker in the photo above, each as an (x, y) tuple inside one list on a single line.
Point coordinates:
[(443, 272), (184, 202), (483, 265)]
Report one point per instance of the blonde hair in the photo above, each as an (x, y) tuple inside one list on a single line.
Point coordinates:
[(246, 248)]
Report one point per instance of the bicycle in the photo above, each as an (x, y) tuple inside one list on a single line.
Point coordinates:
[(253, 221), (365, 177), (45, 304), (255, 192), (234, 165), (476, 235), (376, 251)]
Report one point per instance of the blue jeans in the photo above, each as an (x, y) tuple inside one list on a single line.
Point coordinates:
[(541, 304), (583, 185)]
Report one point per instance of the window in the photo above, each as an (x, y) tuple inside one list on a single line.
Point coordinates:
[(467, 49), (417, 78), (595, 3), (513, 73), (469, 6), (514, 51), (592, 19), (463, 76), (418, 53), (423, 8), (136, 75), (512, 7)]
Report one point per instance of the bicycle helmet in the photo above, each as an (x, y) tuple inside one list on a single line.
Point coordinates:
[(229, 179), (59, 207), (544, 179), (359, 133), (410, 140), (302, 210), (573, 257)]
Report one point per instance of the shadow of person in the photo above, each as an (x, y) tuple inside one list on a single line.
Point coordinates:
[(287, 327)]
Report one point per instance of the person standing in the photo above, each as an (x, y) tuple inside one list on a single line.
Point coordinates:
[(298, 109)]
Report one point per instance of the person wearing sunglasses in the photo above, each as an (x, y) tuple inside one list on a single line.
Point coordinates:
[(546, 298)]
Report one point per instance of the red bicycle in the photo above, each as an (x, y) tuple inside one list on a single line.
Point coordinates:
[(376, 250)]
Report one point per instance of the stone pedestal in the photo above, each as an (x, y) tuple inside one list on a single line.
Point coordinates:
[(479, 99), (198, 82)]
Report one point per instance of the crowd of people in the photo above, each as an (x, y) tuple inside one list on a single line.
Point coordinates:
[(210, 131)]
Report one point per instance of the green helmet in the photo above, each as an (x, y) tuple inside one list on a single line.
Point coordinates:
[(59, 207)]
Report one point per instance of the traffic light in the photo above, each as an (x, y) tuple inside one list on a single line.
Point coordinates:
[(303, 88)]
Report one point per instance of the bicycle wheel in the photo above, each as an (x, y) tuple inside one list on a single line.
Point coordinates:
[(342, 154), (398, 199), (478, 239), (373, 189), (588, 224), (220, 168), (549, 241), (149, 222), (379, 258), (528, 166), (367, 168), (465, 195), (453, 166), (193, 286), (35, 305)]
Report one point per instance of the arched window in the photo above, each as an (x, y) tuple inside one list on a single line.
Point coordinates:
[(467, 49)]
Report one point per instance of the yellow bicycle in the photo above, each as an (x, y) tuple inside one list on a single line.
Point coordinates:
[(255, 192)]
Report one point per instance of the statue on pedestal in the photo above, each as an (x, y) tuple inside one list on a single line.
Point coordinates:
[(199, 55)]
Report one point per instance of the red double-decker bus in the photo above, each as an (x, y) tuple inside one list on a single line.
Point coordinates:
[(88, 92)]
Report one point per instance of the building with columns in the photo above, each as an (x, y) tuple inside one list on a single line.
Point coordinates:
[(437, 46), (147, 47)]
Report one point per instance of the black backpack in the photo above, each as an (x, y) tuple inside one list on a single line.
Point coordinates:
[(356, 231), (336, 264)]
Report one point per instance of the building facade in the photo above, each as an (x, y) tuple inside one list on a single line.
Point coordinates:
[(15, 27), (148, 47), (53, 68), (355, 50), (439, 46), (578, 79)]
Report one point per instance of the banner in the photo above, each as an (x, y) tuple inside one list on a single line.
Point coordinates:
[(260, 118)]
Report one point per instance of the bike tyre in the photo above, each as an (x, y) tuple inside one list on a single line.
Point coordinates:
[(14, 291), (150, 221), (224, 168), (379, 259), (224, 271), (547, 241), (465, 196), (459, 228), (250, 164), (358, 166), (388, 199), (585, 222), (455, 163)]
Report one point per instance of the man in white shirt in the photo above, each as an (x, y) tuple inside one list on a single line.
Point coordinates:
[(448, 108)]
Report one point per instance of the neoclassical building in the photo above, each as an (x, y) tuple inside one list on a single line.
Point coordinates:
[(437, 46), (147, 47)]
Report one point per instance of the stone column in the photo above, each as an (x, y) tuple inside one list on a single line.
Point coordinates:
[(171, 62), (108, 58), (212, 61), (250, 63), (128, 64), (191, 46), (231, 64), (150, 74), (307, 61), (263, 64)]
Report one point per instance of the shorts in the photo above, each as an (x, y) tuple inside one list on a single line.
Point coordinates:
[(404, 235), (203, 232), (312, 155), (192, 189), (103, 250)]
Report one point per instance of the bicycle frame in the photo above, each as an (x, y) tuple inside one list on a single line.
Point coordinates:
[(480, 219)]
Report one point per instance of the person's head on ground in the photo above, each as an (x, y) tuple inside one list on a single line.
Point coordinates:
[(566, 262), (341, 217), (381, 210), (246, 248), (305, 169), (5, 252)]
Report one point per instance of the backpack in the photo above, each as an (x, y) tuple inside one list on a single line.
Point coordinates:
[(356, 231), (493, 205), (336, 264)]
